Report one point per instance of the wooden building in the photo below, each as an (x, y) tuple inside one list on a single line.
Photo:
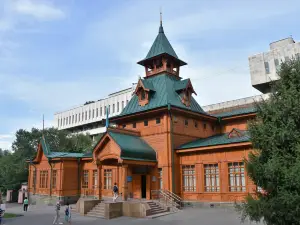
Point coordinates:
[(163, 139)]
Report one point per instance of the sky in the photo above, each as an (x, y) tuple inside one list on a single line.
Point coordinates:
[(56, 54)]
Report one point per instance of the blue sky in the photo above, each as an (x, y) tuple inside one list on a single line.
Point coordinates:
[(58, 54)]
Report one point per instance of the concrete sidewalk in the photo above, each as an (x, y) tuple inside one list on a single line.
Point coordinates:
[(44, 215)]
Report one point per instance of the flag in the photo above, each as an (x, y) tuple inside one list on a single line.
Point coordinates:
[(107, 122)]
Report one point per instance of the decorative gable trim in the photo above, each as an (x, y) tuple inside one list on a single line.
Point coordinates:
[(142, 92), (140, 85), (235, 133), (185, 90)]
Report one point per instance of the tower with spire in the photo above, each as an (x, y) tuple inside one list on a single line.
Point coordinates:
[(161, 57)]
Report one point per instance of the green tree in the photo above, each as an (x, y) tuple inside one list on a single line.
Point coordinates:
[(14, 169), (275, 165)]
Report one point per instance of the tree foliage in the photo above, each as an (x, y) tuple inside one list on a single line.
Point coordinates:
[(275, 165), (14, 169)]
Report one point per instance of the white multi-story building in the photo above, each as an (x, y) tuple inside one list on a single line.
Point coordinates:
[(90, 117), (235, 103), (264, 66)]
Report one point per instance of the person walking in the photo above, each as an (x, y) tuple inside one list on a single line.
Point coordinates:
[(115, 192), (68, 214), (57, 213), (1, 214), (25, 204)]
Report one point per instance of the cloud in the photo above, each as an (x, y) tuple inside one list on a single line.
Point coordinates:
[(5, 141), (43, 11), (22, 15), (15, 124), (55, 95)]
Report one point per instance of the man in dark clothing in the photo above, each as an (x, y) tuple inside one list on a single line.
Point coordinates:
[(115, 192)]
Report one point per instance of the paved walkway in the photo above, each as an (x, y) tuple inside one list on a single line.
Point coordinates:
[(44, 215)]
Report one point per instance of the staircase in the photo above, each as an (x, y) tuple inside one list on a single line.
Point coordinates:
[(156, 208), (167, 199), (97, 211)]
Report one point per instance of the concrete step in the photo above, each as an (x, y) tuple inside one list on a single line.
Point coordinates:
[(155, 211), (99, 207), (159, 215), (156, 207), (152, 203), (97, 210), (95, 215)]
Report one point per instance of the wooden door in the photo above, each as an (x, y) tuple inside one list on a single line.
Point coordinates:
[(136, 186)]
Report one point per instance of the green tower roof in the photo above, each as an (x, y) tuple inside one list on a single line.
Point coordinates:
[(164, 92), (160, 46)]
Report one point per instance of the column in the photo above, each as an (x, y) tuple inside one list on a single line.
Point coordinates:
[(199, 178), (148, 186), (224, 184), (99, 181), (125, 185)]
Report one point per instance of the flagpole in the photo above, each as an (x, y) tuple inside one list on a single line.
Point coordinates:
[(107, 121)]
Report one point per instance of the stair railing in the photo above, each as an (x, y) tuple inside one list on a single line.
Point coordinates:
[(175, 197), (167, 198)]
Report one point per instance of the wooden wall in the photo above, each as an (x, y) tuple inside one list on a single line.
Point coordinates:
[(222, 158)]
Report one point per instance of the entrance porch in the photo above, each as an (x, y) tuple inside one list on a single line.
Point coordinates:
[(124, 158)]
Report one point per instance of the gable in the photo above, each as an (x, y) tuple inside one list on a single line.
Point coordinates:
[(235, 133), (44, 153), (108, 149), (116, 145), (133, 147)]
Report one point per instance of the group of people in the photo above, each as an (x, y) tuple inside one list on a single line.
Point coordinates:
[(67, 213), (58, 206)]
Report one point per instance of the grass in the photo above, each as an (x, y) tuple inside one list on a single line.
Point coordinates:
[(10, 215)]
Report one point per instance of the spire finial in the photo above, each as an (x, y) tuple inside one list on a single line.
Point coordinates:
[(160, 17), (161, 30)]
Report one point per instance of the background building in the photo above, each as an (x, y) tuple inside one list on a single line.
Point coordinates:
[(90, 117), (263, 66)]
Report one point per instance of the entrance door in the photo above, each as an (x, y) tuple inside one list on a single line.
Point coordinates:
[(136, 186), (143, 186)]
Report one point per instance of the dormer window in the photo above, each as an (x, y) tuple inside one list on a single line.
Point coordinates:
[(186, 97), (143, 90), (185, 89), (143, 95)]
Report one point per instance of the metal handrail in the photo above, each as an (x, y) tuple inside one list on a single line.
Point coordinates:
[(169, 198), (176, 197)]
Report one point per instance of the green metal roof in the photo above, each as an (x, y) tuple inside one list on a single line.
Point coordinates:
[(220, 139), (148, 84), (181, 84), (133, 147), (164, 93), (51, 154), (237, 112), (161, 45)]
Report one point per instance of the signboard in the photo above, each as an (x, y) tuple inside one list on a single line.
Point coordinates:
[(153, 178), (129, 178)]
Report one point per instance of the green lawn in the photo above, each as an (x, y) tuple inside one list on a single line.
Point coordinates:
[(10, 215)]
